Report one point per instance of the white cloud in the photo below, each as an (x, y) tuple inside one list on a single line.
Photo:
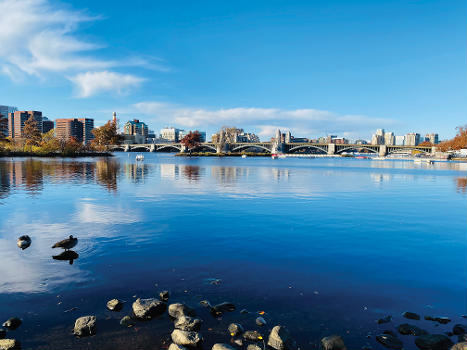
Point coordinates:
[(92, 83), (301, 122)]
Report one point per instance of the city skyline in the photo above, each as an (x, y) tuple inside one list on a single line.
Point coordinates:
[(315, 68)]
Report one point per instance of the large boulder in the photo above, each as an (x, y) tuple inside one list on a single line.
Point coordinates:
[(252, 335), (187, 323), (148, 308), (253, 347), (333, 342), (9, 344), (235, 329), (187, 338), (114, 305), (12, 323), (174, 346), (459, 329), (407, 329), (222, 346), (460, 346), (411, 315), (85, 326), (280, 339), (389, 341), (164, 295), (177, 309), (433, 342), (219, 309)]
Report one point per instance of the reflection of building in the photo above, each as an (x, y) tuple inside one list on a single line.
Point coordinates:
[(80, 129), (5, 112), (136, 172), (412, 139), (17, 119)]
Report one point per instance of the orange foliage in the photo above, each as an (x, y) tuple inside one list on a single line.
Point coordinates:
[(458, 142)]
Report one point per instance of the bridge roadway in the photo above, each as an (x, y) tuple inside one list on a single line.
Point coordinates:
[(272, 147)]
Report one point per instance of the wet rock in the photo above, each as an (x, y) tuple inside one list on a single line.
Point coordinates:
[(459, 329), (205, 303), (389, 341), (433, 342), (459, 346), (407, 329), (177, 309), (174, 346), (127, 321), (280, 339), (385, 319), (2, 333), (186, 338), (187, 323), (148, 308), (85, 326), (12, 323), (219, 309), (253, 347), (411, 315), (390, 332), (222, 346), (333, 342), (244, 311), (260, 321), (252, 335), (462, 338), (442, 320), (9, 344), (164, 295), (235, 329), (114, 305), (239, 342)]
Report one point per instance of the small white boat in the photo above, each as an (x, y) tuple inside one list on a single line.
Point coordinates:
[(243, 155), (139, 157)]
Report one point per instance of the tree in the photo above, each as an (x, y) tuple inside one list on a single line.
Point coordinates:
[(425, 144), (106, 135), (192, 140), (49, 142), (459, 141), (31, 132)]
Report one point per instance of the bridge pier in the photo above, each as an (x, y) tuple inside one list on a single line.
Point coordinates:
[(383, 150), (331, 149), (126, 148), (152, 148)]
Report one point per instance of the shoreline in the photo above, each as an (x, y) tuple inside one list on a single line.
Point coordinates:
[(55, 155)]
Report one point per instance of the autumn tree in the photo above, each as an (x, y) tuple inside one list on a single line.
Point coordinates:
[(106, 135), (49, 142), (459, 141), (425, 144), (192, 140), (31, 132)]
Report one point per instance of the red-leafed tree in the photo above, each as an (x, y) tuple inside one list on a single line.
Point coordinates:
[(192, 140), (458, 142)]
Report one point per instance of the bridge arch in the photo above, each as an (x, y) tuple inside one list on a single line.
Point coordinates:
[(372, 150), (322, 149), (205, 146), (167, 147), (251, 146), (408, 149), (117, 148), (140, 148)]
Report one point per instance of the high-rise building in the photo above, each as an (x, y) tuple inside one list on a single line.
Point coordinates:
[(412, 139), (79, 129), (400, 140), (432, 138), (389, 138), (17, 119), (47, 125), (5, 112), (88, 126), (135, 127), (378, 137), (171, 134)]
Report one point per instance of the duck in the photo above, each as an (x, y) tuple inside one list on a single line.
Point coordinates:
[(24, 242), (67, 243)]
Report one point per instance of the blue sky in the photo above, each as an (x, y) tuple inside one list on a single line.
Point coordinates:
[(315, 67)]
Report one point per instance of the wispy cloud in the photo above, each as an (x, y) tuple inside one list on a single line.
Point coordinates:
[(302, 122), (38, 38)]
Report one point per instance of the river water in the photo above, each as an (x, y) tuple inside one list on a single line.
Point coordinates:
[(322, 246)]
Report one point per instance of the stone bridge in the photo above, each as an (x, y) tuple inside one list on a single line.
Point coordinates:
[(273, 147)]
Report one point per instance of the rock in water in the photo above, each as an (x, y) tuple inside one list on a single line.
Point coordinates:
[(219, 309), (164, 295), (386, 319), (411, 315), (260, 321), (114, 305), (253, 347), (461, 338), (85, 326), (186, 338), (222, 346), (333, 342), (441, 320), (407, 329), (176, 310), (12, 323), (174, 346), (460, 346), (127, 321), (252, 335), (389, 341), (187, 323), (2, 333), (459, 329), (280, 339), (235, 329), (9, 344), (433, 342), (148, 308)]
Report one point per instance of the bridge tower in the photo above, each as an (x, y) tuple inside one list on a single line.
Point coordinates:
[(277, 146), (331, 149), (383, 150)]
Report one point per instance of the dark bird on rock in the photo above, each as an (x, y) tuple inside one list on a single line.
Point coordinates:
[(66, 244), (24, 242)]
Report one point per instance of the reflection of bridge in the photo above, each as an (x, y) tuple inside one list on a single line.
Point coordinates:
[(272, 147)]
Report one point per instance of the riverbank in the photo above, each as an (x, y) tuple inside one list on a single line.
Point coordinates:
[(212, 154), (6, 154)]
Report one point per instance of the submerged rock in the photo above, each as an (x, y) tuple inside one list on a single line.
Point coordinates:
[(280, 339), (174, 346), (433, 342), (459, 346), (462, 338), (333, 342), (177, 309), (244, 311), (219, 309), (442, 320), (2, 333), (411, 315), (390, 332), (407, 329), (252, 335), (164, 295), (385, 319), (205, 303), (235, 329), (186, 338), (260, 321), (148, 308), (222, 346), (9, 344), (187, 323), (389, 341), (12, 323), (85, 326), (114, 305), (127, 321), (459, 329)]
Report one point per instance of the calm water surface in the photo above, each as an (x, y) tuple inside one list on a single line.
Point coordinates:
[(323, 246)]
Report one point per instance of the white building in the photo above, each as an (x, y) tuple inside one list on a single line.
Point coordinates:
[(400, 140), (412, 139), (433, 138), (389, 138), (378, 137), (171, 134)]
